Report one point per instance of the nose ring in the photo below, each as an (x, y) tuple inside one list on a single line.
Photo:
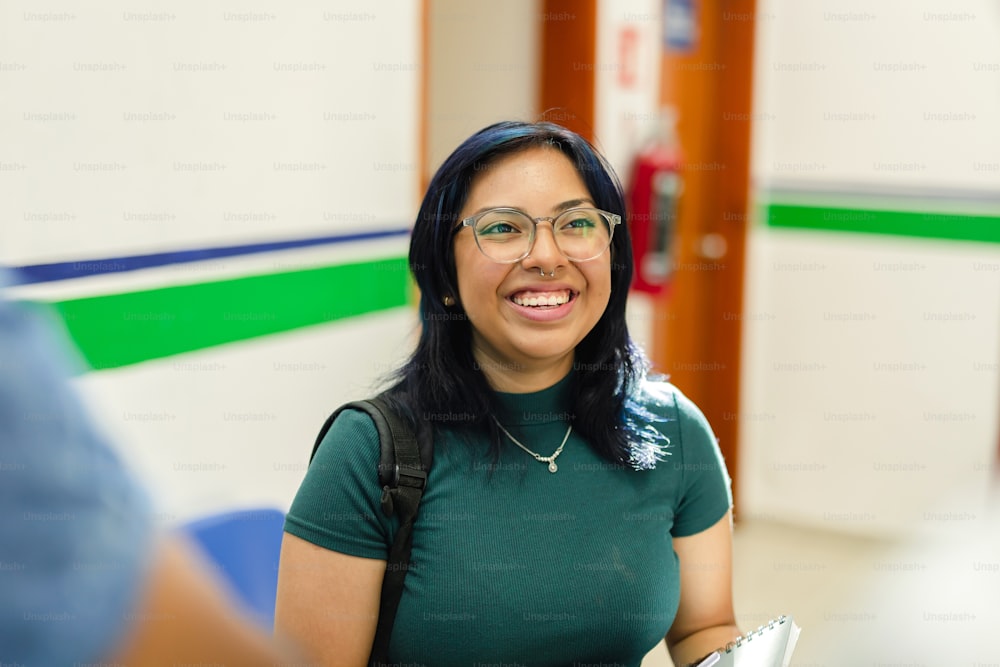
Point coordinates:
[(543, 274)]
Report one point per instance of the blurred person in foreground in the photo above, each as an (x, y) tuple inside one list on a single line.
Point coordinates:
[(85, 577)]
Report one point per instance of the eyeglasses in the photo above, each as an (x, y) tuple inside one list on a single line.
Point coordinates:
[(507, 235)]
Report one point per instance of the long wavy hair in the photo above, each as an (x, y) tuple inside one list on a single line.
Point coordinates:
[(441, 385)]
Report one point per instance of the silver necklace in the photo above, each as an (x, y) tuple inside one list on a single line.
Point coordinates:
[(551, 460)]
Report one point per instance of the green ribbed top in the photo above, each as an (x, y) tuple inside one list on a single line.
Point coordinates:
[(526, 566)]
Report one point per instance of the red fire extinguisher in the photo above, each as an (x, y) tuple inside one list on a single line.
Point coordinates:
[(654, 190)]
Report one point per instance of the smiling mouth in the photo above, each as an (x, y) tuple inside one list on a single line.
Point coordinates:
[(542, 299)]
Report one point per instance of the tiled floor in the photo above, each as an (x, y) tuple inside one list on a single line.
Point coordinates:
[(859, 602)]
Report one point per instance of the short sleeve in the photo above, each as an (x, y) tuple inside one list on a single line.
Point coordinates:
[(338, 505), (705, 489), (75, 528)]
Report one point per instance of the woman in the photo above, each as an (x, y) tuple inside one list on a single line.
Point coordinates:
[(576, 512)]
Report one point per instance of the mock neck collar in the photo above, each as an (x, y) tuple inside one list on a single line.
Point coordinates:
[(538, 407)]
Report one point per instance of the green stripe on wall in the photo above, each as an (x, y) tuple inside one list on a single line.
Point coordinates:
[(952, 226), (121, 329)]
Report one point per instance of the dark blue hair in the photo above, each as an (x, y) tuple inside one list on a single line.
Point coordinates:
[(441, 381)]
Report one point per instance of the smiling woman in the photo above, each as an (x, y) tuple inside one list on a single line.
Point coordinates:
[(524, 358)]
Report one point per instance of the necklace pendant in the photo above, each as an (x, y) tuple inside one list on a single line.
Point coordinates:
[(551, 460)]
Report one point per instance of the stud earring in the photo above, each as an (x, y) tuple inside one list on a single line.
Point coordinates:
[(449, 300)]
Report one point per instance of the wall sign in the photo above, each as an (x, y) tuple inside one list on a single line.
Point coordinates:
[(680, 25)]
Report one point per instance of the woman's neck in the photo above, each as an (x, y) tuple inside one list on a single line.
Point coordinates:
[(512, 378)]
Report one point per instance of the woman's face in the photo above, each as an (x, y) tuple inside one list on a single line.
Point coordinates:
[(524, 347)]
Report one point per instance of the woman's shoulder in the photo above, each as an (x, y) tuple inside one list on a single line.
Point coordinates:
[(350, 441), (338, 504)]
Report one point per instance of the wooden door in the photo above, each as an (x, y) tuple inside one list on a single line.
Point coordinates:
[(699, 328)]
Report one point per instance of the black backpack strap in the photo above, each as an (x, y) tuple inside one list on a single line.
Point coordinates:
[(403, 477), (401, 494)]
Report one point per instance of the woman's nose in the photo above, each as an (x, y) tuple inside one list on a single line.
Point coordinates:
[(545, 241)]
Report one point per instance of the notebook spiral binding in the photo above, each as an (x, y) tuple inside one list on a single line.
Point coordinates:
[(739, 641)]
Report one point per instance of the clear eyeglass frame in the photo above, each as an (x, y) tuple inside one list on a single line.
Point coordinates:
[(613, 220)]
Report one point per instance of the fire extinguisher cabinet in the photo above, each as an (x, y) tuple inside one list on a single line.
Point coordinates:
[(654, 191)]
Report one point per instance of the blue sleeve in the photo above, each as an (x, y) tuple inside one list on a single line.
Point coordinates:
[(705, 489), (338, 505), (74, 527)]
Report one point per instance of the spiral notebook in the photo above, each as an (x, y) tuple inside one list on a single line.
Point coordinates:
[(769, 645)]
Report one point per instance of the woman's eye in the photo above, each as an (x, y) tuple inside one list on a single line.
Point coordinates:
[(580, 222), (498, 228)]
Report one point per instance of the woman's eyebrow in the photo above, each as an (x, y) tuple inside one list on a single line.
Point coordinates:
[(565, 206), (573, 203)]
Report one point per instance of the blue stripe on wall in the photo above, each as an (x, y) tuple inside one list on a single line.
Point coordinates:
[(43, 273)]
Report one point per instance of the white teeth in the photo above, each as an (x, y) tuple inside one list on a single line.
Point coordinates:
[(550, 300)]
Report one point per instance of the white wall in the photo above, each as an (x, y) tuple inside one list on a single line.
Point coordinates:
[(870, 383), (894, 94), (627, 78), (483, 69), (870, 379), (195, 124), (627, 111)]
